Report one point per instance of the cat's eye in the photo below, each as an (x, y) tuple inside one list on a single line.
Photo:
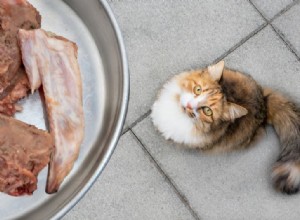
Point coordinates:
[(207, 111), (197, 90)]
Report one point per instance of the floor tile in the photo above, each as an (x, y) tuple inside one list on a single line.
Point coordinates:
[(228, 186), (236, 185), (163, 38), (130, 188), (288, 24), (271, 7), (269, 61)]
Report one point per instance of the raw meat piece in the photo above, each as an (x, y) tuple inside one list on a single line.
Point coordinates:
[(14, 14), (24, 152), (52, 61), (12, 94)]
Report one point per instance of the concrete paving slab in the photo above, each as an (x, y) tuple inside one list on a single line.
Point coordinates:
[(269, 61), (236, 185), (288, 24), (165, 37), (130, 188), (228, 186), (271, 7)]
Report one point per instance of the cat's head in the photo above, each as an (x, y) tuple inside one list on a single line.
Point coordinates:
[(201, 96)]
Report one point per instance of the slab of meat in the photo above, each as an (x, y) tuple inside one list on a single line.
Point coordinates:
[(52, 61), (14, 14), (12, 94), (24, 151)]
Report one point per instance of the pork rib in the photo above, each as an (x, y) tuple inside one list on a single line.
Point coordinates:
[(24, 151), (52, 61)]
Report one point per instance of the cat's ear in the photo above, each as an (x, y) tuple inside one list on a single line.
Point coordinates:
[(216, 70), (233, 111)]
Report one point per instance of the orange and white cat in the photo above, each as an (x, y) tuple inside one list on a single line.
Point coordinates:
[(217, 109)]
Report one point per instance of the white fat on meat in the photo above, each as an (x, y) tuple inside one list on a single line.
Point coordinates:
[(51, 60)]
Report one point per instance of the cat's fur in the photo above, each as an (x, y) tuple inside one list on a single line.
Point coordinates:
[(240, 108)]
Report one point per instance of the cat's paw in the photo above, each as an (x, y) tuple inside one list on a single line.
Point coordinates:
[(286, 177)]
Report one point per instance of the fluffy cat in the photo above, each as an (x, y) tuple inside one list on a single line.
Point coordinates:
[(216, 109)]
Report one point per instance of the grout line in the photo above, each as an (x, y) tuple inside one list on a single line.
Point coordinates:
[(253, 33), (232, 49), (125, 131), (168, 179), (278, 32), (281, 12), (286, 42), (284, 10), (141, 118), (261, 13)]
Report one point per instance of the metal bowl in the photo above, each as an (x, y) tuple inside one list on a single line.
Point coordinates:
[(103, 64)]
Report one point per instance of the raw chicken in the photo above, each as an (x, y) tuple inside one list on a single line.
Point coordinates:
[(52, 61)]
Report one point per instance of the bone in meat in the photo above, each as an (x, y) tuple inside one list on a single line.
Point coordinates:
[(52, 60)]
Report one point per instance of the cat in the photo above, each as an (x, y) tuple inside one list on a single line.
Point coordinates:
[(218, 110)]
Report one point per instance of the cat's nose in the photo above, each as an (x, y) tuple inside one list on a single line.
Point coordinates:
[(189, 106)]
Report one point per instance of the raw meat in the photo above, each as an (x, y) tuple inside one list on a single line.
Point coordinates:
[(14, 14), (12, 94), (24, 151), (52, 61)]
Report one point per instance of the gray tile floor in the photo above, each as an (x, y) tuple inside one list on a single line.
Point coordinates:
[(148, 177)]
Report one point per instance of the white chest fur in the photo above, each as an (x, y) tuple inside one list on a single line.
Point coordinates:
[(171, 121)]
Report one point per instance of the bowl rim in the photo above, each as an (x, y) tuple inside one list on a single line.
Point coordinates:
[(120, 120)]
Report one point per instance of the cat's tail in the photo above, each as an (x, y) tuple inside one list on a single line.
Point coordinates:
[(285, 117)]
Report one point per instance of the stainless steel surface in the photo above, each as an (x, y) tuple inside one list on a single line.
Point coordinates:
[(105, 91)]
